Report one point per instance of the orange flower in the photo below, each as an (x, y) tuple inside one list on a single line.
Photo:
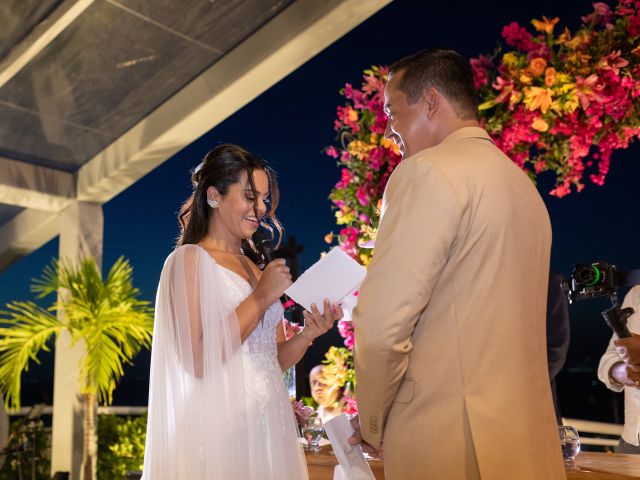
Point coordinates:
[(550, 76), (538, 98), (636, 51), (564, 37), (526, 79), (353, 115), (390, 144), (545, 25), (329, 238), (537, 66), (540, 125)]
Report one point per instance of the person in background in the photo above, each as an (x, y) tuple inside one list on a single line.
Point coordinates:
[(326, 392), (619, 370), (558, 334)]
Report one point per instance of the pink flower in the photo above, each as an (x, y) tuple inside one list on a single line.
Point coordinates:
[(613, 62), (348, 91), (505, 87), (590, 89), (561, 190), (291, 329), (350, 405), (301, 412), (601, 14), (362, 196), (331, 151), (345, 329)]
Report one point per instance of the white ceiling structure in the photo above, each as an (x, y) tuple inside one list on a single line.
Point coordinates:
[(94, 94)]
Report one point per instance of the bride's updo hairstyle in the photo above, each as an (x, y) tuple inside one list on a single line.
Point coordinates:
[(222, 167)]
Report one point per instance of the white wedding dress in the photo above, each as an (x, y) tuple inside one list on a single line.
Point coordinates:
[(218, 409)]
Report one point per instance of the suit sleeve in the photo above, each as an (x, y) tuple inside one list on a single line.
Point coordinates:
[(420, 220)]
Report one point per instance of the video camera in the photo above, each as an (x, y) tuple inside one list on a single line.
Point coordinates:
[(601, 279)]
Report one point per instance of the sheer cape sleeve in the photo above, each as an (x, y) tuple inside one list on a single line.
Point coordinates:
[(196, 427)]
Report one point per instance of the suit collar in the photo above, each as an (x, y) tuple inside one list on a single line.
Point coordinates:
[(467, 132)]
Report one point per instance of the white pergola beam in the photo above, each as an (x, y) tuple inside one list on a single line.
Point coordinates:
[(31, 186), (27, 232), (289, 40), (286, 42)]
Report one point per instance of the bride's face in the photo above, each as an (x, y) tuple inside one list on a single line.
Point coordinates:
[(236, 214)]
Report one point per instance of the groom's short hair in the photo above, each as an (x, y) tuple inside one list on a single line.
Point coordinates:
[(445, 70)]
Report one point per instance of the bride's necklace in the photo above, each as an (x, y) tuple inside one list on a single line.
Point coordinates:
[(238, 255)]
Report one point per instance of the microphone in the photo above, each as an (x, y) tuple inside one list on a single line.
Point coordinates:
[(263, 242)]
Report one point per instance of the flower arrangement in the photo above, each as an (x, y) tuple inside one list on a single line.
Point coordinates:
[(338, 372), (564, 102), (560, 103), (366, 159)]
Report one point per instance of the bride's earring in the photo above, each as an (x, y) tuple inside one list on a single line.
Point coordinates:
[(212, 203)]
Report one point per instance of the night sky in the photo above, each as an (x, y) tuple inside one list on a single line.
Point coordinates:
[(291, 123)]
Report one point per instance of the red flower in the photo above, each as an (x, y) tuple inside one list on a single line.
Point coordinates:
[(480, 67), (518, 37)]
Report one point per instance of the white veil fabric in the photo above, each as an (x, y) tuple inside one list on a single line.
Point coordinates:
[(196, 424), (208, 399)]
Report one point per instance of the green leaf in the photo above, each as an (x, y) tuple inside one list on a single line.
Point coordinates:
[(107, 317)]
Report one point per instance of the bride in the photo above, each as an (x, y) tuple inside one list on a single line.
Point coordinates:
[(218, 408)]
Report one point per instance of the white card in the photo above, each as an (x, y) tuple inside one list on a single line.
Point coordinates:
[(334, 277), (350, 457)]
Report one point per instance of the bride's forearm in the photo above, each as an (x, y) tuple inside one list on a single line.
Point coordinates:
[(291, 351)]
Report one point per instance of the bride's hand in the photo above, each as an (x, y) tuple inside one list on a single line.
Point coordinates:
[(315, 324), (275, 279)]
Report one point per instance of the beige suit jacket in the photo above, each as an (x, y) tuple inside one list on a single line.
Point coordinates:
[(450, 324)]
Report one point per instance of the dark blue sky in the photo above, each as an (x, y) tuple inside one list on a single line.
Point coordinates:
[(292, 122)]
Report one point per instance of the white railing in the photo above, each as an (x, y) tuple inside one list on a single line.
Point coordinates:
[(593, 430), (590, 431), (37, 410)]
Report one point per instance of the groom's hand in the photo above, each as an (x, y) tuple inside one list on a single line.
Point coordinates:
[(356, 439)]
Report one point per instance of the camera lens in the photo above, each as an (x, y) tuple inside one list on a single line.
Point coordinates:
[(588, 275)]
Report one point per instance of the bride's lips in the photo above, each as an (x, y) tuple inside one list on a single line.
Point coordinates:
[(253, 221)]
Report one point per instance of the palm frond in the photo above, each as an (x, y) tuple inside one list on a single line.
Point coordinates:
[(106, 316), (25, 330), (48, 282)]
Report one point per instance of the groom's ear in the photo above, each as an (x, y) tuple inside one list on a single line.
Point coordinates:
[(430, 101)]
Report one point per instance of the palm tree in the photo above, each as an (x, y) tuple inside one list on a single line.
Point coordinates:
[(106, 316)]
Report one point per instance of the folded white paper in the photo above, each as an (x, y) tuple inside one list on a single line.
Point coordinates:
[(348, 304), (350, 457), (338, 473), (333, 277)]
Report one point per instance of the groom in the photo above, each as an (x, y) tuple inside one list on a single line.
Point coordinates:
[(450, 326)]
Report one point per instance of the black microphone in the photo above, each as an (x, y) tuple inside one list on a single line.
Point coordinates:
[(263, 243)]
